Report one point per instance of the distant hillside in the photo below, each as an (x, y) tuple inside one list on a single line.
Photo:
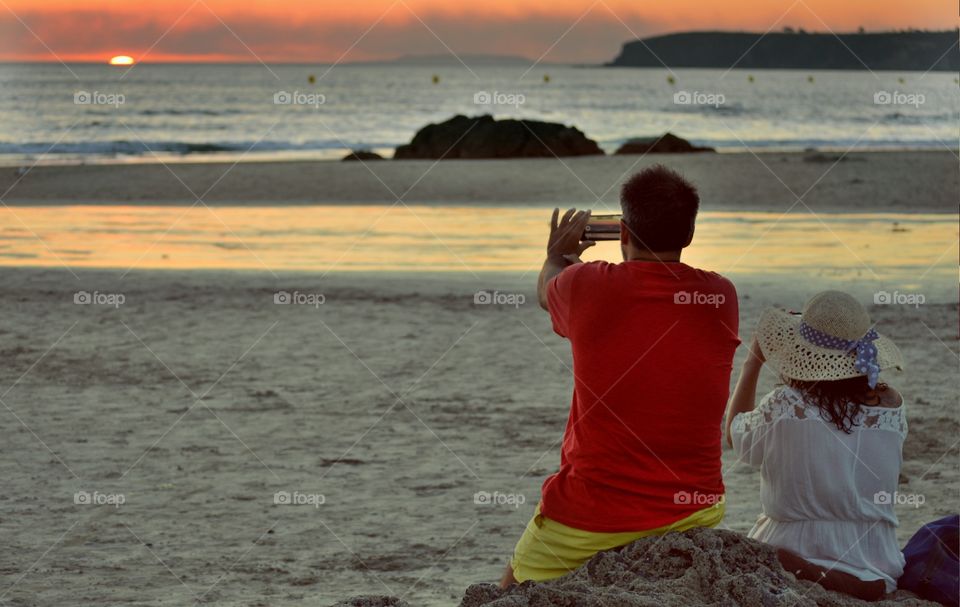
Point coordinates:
[(789, 50)]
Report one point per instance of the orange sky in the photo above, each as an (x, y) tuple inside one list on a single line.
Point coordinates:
[(325, 30)]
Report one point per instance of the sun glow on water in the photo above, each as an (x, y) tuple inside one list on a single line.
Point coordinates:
[(890, 248)]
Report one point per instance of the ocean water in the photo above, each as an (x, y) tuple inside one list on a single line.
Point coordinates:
[(85, 112)]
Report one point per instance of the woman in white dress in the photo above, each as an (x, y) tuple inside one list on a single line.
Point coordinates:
[(828, 442)]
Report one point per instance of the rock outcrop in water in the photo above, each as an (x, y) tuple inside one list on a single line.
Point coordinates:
[(667, 144), (362, 155), (484, 137), (915, 50), (692, 569)]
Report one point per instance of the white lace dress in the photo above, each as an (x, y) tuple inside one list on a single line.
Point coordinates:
[(826, 495)]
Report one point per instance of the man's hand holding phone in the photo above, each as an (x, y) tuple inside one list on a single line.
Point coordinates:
[(565, 244), (564, 247)]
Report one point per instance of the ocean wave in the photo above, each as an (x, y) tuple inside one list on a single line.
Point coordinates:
[(138, 148), (821, 144), (189, 112), (113, 148), (721, 108), (916, 118)]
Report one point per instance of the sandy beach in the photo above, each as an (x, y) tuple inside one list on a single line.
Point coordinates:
[(396, 400)]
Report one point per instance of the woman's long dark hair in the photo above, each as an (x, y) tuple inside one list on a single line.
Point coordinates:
[(838, 400)]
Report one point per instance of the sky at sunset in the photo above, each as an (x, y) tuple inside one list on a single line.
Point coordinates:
[(357, 30)]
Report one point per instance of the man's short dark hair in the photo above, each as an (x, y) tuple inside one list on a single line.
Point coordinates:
[(659, 209)]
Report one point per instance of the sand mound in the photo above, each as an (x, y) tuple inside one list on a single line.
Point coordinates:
[(699, 567)]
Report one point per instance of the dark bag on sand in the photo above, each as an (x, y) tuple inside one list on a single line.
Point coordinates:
[(933, 567)]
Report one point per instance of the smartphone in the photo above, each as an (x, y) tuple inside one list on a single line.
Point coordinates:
[(602, 227)]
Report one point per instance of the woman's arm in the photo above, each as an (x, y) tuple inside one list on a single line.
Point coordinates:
[(745, 394)]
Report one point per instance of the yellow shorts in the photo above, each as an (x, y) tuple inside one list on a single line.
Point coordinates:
[(549, 549)]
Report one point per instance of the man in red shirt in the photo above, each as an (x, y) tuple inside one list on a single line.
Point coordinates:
[(653, 342)]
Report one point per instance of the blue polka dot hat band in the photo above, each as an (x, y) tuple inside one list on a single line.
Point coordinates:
[(866, 350)]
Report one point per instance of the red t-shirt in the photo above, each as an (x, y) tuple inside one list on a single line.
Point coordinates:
[(653, 348)]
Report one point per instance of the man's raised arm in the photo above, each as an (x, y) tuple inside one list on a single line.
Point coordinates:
[(563, 247)]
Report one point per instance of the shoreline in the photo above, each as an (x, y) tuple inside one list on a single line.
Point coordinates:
[(901, 181), (231, 156)]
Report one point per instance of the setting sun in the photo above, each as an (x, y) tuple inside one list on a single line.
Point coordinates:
[(121, 60)]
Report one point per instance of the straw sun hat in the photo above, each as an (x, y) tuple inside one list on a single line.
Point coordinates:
[(833, 339)]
